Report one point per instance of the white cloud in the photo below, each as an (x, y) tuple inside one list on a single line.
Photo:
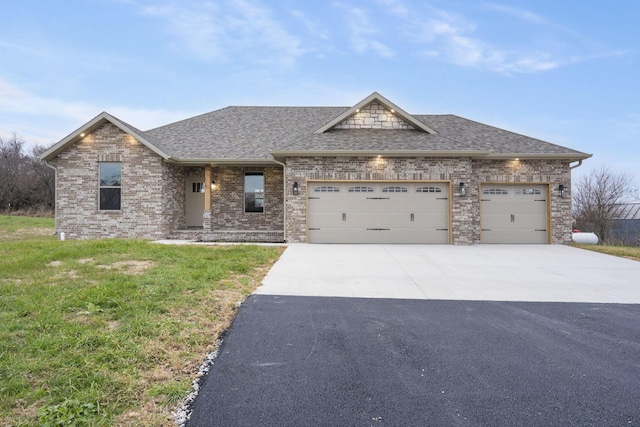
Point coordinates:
[(447, 36), (195, 26), (241, 28), (362, 32), (41, 120), (522, 14), (312, 26)]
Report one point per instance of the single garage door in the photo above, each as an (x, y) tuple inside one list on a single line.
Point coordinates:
[(378, 212), (512, 213)]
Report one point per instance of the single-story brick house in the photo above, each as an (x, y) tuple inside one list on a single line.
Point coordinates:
[(369, 173)]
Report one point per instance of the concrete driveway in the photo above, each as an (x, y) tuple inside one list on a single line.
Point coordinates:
[(551, 273)]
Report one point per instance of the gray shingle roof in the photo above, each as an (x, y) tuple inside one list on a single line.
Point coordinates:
[(240, 132), (252, 133)]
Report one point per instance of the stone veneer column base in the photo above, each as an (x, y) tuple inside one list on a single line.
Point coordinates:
[(206, 220)]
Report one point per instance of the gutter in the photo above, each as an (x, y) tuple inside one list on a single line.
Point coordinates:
[(375, 153), (474, 154), (284, 197), (226, 162), (576, 166)]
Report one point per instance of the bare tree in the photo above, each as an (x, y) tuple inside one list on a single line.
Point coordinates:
[(26, 182), (10, 164), (43, 181), (595, 197)]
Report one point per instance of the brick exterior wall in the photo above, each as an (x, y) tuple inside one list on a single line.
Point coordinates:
[(149, 208), (374, 116), (465, 210)]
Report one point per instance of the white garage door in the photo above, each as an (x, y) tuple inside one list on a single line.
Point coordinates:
[(512, 213), (378, 212)]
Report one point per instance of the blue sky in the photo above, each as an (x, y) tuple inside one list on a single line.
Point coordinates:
[(563, 71)]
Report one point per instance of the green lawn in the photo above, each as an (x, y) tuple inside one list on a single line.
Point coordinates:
[(631, 252), (110, 332)]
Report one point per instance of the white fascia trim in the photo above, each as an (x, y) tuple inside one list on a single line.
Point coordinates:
[(92, 125), (230, 162), (540, 156)]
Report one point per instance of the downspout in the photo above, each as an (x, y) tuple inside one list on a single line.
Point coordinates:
[(284, 197), (576, 166), (55, 194)]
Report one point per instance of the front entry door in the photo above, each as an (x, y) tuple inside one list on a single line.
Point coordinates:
[(194, 202)]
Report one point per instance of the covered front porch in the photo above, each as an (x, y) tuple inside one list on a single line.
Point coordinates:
[(232, 203)]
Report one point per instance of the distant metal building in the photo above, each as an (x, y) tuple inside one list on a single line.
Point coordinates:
[(625, 228)]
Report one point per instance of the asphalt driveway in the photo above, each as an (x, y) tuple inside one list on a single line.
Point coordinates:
[(432, 335)]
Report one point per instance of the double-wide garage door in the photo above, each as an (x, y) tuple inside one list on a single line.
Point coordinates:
[(514, 213), (378, 212)]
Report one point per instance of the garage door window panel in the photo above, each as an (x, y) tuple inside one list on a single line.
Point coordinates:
[(496, 191), (326, 189), (428, 190), (360, 189), (394, 190)]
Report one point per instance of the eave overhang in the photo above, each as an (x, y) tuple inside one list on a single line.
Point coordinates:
[(221, 162), (282, 154), (538, 156), (474, 154), (93, 125)]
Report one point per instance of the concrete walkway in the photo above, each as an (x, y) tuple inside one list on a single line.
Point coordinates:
[(543, 273)]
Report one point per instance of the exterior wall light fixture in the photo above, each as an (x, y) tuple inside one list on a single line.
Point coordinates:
[(463, 189), (213, 185), (561, 189), (295, 188)]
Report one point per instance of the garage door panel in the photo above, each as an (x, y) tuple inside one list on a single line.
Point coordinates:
[(377, 212), (514, 213), (360, 235), (510, 236)]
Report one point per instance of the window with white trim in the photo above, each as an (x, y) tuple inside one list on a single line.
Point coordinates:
[(110, 186), (254, 192)]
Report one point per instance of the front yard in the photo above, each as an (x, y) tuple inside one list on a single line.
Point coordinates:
[(630, 252), (110, 332)]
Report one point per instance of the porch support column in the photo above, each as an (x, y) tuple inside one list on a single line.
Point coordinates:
[(206, 215)]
